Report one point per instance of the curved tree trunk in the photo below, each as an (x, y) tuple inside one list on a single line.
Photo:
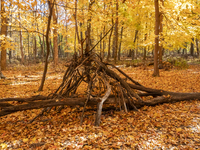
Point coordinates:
[(48, 46)]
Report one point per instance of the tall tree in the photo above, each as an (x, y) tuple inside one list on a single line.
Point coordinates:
[(197, 45), (88, 41), (51, 5), (4, 34), (120, 44), (160, 33), (116, 32), (156, 48), (10, 51), (76, 31), (109, 41), (192, 48), (21, 42), (55, 37), (145, 48)]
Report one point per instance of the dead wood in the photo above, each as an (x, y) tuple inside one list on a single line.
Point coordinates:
[(103, 86)]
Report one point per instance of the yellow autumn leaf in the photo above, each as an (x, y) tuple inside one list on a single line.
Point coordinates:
[(34, 139), (4, 145), (178, 129), (25, 140)]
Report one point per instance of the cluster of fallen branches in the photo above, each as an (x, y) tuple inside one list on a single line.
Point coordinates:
[(104, 85)]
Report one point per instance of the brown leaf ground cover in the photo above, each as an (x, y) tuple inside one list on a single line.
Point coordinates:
[(167, 126)]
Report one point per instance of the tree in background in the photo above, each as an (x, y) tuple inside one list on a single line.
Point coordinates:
[(3, 35), (156, 49), (55, 36)]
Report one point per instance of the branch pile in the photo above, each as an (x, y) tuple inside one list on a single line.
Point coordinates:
[(103, 85)]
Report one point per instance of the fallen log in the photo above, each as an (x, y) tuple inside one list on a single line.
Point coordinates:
[(94, 101)]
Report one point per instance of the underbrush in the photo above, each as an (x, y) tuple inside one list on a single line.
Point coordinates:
[(178, 63)]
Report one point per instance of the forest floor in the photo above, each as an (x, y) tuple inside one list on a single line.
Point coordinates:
[(167, 126)]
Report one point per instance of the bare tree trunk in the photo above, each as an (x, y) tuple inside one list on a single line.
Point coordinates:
[(109, 41), (132, 51), (51, 49), (43, 42), (10, 51), (100, 45), (48, 46), (132, 54), (156, 49), (120, 44), (89, 27), (104, 43), (145, 49), (28, 48), (80, 41), (21, 43), (21, 47), (66, 39), (110, 36), (160, 33), (197, 45), (1, 74), (59, 45), (192, 48), (81, 32), (35, 48), (41, 47), (75, 41), (34, 39), (3, 32), (55, 38), (184, 49), (116, 33), (104, 28)]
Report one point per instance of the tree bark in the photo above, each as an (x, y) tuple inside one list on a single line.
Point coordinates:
[(21, 42), (109, 43), (197, 45), (110, 38), (4, 33), (41, 47), (116, 33), (88, 42), (160, 34), (1, 74), (145, 50), (120, 44), (76, 27), (156, 49), (192, 48), (48, 45), (104, 43), (55, 37), (10, 51), (43, 42), (100, 46), (35, 48)]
